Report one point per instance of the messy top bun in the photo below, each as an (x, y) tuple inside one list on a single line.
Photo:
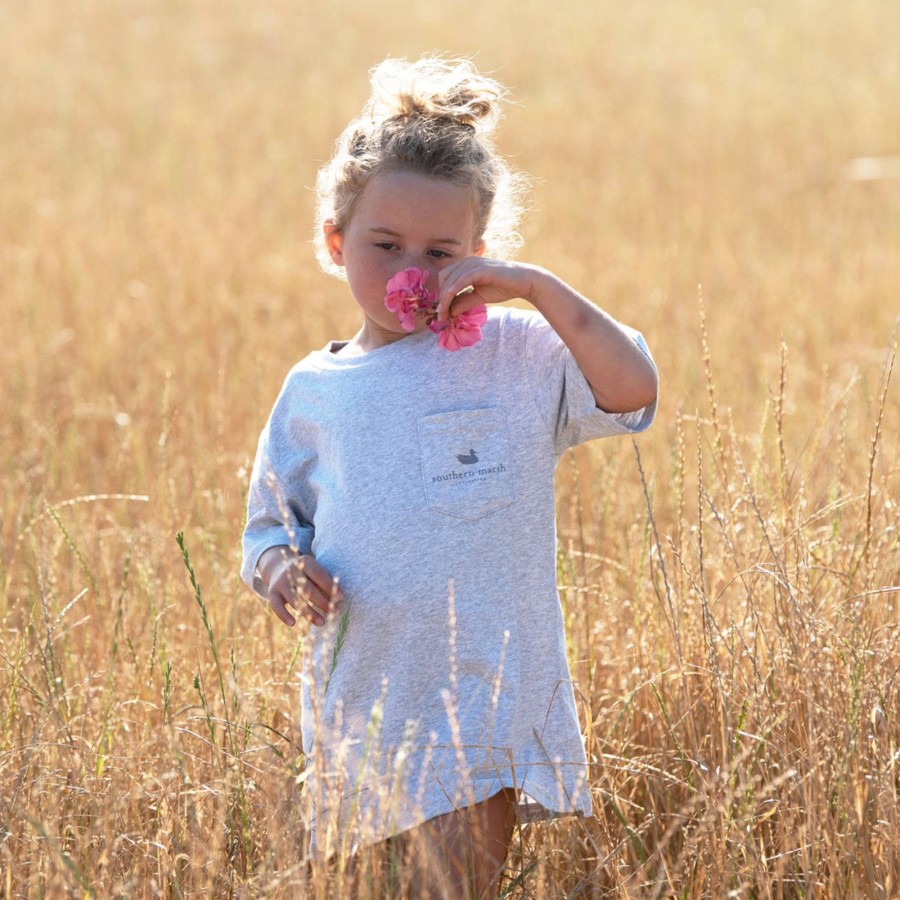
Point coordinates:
[(448, 90), (432, 117)]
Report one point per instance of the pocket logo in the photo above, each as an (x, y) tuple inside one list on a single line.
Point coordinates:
[(466, 462)]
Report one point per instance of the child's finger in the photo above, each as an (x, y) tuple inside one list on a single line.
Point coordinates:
[(280, 609), (453, 298), (308, 604), (315, 607), (312, 596), (465, 301), (319, 580)]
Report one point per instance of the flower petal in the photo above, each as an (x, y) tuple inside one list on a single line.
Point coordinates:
[(406, 295), (463, 330), (412, 279), (475, 317)]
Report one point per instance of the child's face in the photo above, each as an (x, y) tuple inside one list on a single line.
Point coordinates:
[(402, 219)]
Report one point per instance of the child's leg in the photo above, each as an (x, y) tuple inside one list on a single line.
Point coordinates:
[(462, 853)]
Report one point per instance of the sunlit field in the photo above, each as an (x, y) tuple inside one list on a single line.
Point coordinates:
[(723, 176)]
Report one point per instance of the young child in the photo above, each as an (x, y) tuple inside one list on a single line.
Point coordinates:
[(402, 499)]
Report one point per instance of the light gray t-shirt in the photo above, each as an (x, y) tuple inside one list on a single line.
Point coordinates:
[(424, 480)]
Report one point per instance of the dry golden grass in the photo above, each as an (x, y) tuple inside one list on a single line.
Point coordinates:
[(730, 583)]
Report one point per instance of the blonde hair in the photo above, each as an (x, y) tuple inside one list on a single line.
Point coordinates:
[(433, 117)]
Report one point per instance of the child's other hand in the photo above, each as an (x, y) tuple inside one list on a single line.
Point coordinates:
[(492, 281), (298, 582)]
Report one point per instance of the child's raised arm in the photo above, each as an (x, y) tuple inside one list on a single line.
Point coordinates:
[(621, 377)]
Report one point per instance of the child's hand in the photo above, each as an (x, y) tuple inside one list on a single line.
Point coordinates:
[(490, 281), (298, 582), (621, 377)]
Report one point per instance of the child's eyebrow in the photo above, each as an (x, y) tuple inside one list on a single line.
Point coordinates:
[(391, 233)]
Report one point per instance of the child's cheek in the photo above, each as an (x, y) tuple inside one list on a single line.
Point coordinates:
[(380, 266)]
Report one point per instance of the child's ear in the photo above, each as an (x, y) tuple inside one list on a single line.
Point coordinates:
[(479, 249), (334, 241)]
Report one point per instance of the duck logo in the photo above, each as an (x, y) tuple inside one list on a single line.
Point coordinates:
[(468, 459)]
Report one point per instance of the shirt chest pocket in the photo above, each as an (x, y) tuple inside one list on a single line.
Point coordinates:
[(466, 464)]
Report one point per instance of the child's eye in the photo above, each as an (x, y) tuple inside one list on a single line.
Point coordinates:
[(385, 245), (439, 254)]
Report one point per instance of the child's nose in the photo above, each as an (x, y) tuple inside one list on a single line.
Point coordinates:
[(426, 263)]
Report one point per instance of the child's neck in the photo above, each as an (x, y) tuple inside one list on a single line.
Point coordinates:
[(365, 341)]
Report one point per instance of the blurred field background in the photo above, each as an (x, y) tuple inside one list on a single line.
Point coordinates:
[(731, 591)]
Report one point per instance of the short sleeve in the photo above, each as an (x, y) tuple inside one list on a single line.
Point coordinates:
[(276, 516), (563, 395)]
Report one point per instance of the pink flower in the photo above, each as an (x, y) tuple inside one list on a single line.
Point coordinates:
[(407, 296), (461, 331)]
